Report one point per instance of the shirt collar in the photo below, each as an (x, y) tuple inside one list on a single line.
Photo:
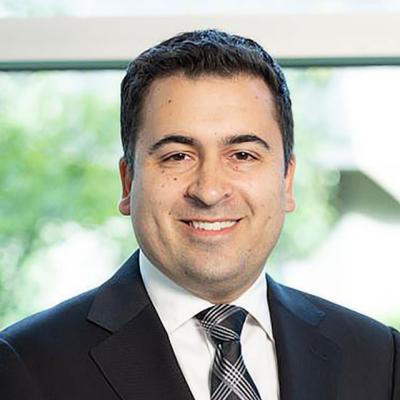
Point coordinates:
[(175, 305)]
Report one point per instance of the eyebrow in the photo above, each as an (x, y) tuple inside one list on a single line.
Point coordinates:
[(245, 138), (230, 140), (173, 139)]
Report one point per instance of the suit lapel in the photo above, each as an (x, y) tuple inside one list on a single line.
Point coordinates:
[(137, 359), (308, 361)]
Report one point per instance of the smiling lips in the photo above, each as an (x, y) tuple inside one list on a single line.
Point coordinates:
[(211, 226)]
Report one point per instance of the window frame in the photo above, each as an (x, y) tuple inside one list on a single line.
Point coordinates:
[(296, 40)]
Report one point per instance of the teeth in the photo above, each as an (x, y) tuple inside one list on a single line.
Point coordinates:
[(212, 226)]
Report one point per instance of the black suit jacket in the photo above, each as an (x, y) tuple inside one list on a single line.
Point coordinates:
[(109, 344)]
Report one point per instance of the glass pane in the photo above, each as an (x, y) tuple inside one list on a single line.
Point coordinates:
[(60, 231)]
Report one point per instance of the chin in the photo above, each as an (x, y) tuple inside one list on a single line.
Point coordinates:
[(213, 274)]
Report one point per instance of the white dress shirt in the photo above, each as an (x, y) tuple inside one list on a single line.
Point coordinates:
[(194, 351)]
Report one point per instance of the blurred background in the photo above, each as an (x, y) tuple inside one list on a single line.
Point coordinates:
[(60, 231)]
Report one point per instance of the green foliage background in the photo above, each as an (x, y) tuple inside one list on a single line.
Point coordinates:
[(58, 159)]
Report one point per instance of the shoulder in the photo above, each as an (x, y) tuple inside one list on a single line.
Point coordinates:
[(346, 320), (346, 326), (60, 313), (366, 344), (45, 329), (51, 333), (42, 346)]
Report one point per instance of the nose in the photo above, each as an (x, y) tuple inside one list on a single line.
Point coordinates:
[(209, 186)]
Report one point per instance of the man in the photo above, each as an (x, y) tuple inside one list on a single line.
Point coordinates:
[(207, 178)]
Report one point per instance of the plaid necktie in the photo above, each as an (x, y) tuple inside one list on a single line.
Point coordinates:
[(230, 379)]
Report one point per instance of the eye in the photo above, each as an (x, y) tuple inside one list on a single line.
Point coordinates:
[(176, 157), (244, 156)]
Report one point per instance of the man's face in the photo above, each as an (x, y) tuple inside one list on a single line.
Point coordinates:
[(209, 193)]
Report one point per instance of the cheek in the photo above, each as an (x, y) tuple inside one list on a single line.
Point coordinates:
[(263, 190), (155, 193), (267, 205)]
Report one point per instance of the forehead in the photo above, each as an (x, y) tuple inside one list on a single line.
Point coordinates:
[(178, 86), (208, 103)]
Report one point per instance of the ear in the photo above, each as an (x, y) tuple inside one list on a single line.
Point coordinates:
[(126, 181), (290, 202)]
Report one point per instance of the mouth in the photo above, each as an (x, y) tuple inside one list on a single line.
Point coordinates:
[(212, 227)]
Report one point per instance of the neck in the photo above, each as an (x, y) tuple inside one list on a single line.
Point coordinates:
[(221, 294)]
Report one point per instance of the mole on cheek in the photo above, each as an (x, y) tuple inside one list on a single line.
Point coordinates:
[(175, 178), (169, 101)]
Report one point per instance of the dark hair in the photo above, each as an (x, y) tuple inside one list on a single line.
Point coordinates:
[(200, 53)]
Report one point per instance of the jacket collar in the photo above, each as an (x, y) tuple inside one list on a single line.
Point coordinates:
[(121, 298)]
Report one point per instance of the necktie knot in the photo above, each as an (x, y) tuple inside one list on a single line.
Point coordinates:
[(223, 322)]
